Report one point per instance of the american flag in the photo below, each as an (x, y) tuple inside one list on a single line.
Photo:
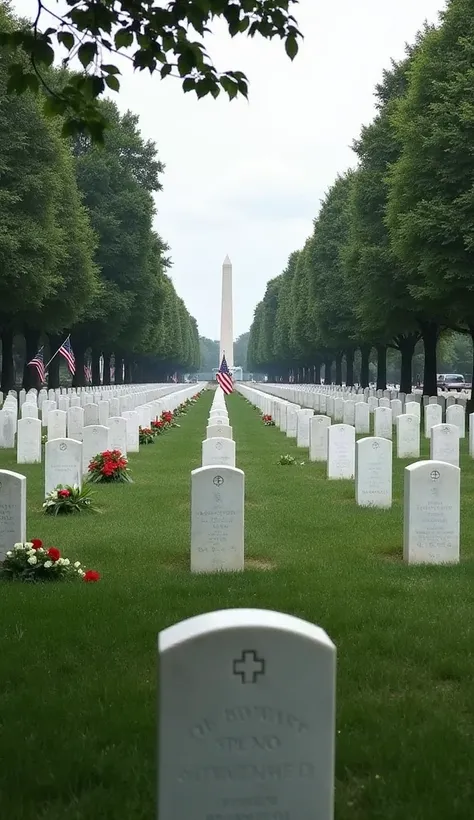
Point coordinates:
[(224, 377), (38, 363), (66, 351), (88, 373), (112, 372)]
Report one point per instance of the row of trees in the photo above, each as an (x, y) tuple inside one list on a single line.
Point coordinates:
[(78, 252), (210, 352), (390, 260)]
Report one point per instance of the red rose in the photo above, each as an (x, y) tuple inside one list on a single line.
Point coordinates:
[(54, 553), (91, 575), (63, 493), (36, 543)]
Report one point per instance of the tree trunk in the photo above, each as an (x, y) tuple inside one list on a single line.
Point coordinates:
[(381, 367), (95, 354), (429, 332), (406, 346), (8, 370), (79, 378), (317, 371), (118, 369), (350, 367), (327, 370), (364, 365), (338, 369), (106, 376), (53, 367), (30, 374)]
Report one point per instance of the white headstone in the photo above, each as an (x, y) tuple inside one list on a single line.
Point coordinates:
[(408, 435), (341, 451), (457, 415), (63, 403), (46, 408), (318, 438), (95, 439), (91, 414), (75, 422), (7, 428), (57, 424), (104, 412), (338, 409), (348, 412), (133, 437), (118, 434), (396, 408), (292, 421), (28, 443), (431, 513), (12, 510), (384, 402), (29, 411), (444, 443), (217, 519), (413, 408), (433, 415), (383, 422), (302, 427), (362, 417), (218, 451), (471, 435), (246, 718), (218, 431), (63, 463), (114, 407), (374, 472)]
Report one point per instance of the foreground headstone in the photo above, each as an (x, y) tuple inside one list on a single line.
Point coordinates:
[(133, 433), (63, 463), (374, 472), (318, 438), (28, 443), (246, 718), (117, 434), (218, 451), (302, 427), (383, 421), (217, 519), (457, 415), (444, 443), (7, 428), (95, 439), (433, 415), (75, 422), (292, 421), (431, 513), (362, 417), (57, 424), (216, 430), (408, 435), (341, 451), (12, 510)]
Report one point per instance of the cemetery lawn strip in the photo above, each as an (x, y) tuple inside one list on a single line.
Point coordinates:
[(78, 662)]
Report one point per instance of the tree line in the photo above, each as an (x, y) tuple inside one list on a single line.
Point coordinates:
[(78, 251), (390, 261)]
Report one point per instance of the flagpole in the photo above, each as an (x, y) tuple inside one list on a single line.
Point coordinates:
[(60, 346), (38, 351)]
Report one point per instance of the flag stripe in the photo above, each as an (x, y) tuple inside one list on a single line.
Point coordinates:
[(224, 377), (38, 363), (67, 351)]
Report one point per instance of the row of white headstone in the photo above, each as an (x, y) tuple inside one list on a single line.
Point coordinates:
[(432, 487), (217, 499), (67, 459)]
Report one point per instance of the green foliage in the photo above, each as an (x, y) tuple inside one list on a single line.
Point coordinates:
[(160, 39)]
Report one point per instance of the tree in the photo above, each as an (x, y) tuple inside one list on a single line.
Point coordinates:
[(209, 350), (431, 200), (240, 351), (162, 40), (282, 350)]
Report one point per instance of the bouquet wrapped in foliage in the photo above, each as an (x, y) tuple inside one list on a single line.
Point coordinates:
[(167, 417), (286, 460), (32, 561), (146, 435), (267, 420), (158, 427), (110, 465), (64, 500)]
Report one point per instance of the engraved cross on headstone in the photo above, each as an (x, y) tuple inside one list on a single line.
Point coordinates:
[(249, 667)]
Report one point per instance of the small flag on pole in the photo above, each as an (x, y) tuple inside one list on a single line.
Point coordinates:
[(66, 351), (38, 363), (224, 377), (88, 373), (112, 372)]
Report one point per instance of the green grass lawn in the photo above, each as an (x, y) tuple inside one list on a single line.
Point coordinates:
[(78, 661)]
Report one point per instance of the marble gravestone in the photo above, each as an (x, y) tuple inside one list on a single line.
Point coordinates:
[(12, 510), (456, 415), (28, 442), (444, 443), (216, 430), (29, 411), (63, 463), (218, 451), (133, 434), (383, 422), (75, 422), (408, 436), (341, 451), (246, 718), (292, 421), (348, 412), (433, 415), (373, 472), (318, 438), (431, 513), (217, 519), (91, 414), (7, 428), (413, 408), (46, 408), (362, 417), (338, 409), (117, 434), (57, 424), (302, 427), (95, 439)]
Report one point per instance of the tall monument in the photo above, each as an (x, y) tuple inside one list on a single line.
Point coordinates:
[(227, 329)]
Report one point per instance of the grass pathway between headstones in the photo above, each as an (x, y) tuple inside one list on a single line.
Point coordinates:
[(78, 661)]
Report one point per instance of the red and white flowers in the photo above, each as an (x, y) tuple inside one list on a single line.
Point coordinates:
[(31, 561), (110, 465)]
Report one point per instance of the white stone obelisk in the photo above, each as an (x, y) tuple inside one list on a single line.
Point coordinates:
[(227, 329)]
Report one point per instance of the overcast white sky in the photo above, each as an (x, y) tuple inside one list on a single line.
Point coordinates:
[(246, 178)]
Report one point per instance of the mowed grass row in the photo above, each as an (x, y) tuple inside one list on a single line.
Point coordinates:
[(78, 661)]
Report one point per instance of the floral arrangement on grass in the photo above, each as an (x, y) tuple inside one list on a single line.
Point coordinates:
[(32, 561), (146, 435), (65, 499), (158, 427), (286, 460), (110, 465), (267, 420), (167, 417)]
